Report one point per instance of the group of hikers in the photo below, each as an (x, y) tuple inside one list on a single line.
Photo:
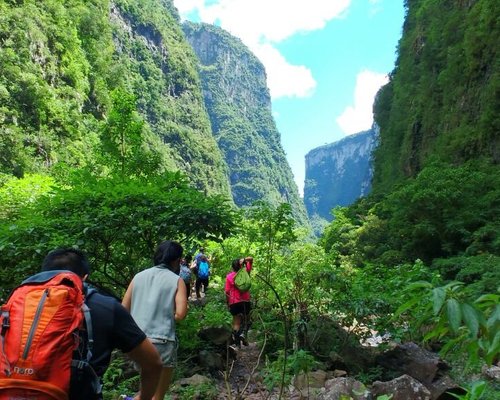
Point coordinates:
[(41, 321)]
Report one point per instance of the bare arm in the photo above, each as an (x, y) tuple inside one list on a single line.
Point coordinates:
[(127, 299), (146, 356), (180, 300)]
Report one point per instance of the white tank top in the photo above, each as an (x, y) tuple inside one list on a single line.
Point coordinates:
[(153, 302)]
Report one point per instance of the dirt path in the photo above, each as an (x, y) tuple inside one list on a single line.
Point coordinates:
[(244, 379)]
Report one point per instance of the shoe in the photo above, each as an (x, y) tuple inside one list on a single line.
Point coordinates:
[(243, 340), (125, 397)]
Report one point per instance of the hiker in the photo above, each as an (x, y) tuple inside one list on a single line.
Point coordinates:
[(186, 274), (202, 275), (238, 301), (156, 298), (113, 327)]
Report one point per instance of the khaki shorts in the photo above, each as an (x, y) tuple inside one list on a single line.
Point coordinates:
[(167, 350)]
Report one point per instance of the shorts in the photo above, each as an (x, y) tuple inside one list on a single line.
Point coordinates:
[(167, 350), (243, 307)]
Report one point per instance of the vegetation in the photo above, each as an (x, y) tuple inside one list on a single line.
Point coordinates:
[(96, 125), (239, 106), (60, 63)]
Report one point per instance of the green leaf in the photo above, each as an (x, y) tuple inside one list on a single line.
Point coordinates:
[(419, 285), (406, 306), (477, 390), (454, 314), (494, 349), (438, 298), (471, 319)]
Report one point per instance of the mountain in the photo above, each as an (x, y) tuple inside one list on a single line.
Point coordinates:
[(339, 173), (442, 101), (59, 65), (239, 105)]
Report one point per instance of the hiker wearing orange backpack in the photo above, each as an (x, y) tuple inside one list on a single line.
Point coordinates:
[(57, 336), (237, 291)]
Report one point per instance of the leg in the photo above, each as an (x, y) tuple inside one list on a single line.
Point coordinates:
[(198, 286), (164, 383)]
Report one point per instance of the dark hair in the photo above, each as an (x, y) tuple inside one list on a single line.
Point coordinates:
[(70, 259), (189, 258), (167, 252), (236, 264)]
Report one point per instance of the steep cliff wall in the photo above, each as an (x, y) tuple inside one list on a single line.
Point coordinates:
[(338, 173), (442, 101), (239, 105), (59, 63)]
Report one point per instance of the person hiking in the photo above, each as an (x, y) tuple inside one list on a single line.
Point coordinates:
[(238, 301), (156, 298), (186, 274), (202, 275), (113, 328)]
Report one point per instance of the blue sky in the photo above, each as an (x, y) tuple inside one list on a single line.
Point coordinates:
[(324, 59)]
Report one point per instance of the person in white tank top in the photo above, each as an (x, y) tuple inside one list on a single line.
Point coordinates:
[(156, 298)]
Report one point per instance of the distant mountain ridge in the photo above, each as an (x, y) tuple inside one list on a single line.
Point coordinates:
[(239, 105), (339, 173)]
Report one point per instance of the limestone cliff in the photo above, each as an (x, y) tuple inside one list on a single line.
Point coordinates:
[(338, 173), (238, 103)]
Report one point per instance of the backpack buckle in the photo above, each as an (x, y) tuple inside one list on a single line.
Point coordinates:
[(5, 321)]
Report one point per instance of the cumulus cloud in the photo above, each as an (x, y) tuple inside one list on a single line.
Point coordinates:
[(261, 24), (359, 116)]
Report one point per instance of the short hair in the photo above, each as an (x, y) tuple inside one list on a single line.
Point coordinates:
[(166, 252), (70, 259), (236, 264)]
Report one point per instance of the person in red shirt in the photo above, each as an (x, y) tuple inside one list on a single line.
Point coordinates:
[(238, 301)]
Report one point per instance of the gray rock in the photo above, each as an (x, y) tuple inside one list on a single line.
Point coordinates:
[(412, 360), (335, 388), (403, 388)]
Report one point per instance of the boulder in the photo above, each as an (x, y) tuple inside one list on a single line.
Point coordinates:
[(211, 360), (195, 380), (217, 335), (403, 388), (441, 386), (314, 379), (338, 388), (412, 360)]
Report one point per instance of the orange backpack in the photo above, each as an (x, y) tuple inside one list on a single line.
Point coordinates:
[(40, 326)]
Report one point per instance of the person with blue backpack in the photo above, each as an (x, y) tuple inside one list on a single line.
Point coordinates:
[(202, 275)]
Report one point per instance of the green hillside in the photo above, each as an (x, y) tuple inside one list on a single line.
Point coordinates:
[(443, 99), (239, 106), (60, 62)]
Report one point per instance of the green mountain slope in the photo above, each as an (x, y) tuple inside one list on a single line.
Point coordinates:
[(238, 102), (443, 99), (59, 62)]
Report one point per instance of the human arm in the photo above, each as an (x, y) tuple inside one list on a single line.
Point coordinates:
[(127, 299), (147, 358), (248, 263), (180, 300)]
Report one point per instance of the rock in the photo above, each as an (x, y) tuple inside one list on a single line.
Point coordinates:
[(338, 373), (211, 360), (442, 385), (337, 387), (412, 360), (403, 388), (217, 335), (492, 372), (314, 379), (194, 380)]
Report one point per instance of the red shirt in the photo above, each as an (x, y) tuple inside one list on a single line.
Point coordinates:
[(234, 295)]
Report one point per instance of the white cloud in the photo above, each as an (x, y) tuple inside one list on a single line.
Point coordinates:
[(359, 116), (261, 24), (284, 79)]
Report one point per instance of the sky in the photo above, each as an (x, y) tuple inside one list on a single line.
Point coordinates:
[(325, 60)]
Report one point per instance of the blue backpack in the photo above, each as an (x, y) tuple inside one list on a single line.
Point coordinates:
[(203, 270)]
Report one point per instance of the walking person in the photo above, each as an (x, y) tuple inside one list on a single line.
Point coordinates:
[(202, 275), (238, 301), (112, 326), (156, 298)]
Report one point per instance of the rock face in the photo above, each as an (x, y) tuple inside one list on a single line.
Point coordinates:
[(239, 106), (339, 173)]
